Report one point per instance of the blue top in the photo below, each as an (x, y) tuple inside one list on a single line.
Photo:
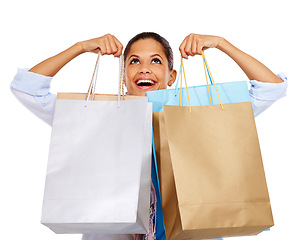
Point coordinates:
[(160, 228)]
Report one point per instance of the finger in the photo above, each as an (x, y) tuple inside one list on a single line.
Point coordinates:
[(200, 47), (182, 49), (97, 50), (194, 46), (119, 47), (188, 47), (103, 48), (108, 46), (113, 44), (94, 49)]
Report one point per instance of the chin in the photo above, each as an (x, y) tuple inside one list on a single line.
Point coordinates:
[(139, 92), (142, 93)]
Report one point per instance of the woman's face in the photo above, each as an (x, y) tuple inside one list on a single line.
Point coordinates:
[(146, 68)]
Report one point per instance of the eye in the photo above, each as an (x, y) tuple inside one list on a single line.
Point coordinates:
[(156, 60), (134, 61)]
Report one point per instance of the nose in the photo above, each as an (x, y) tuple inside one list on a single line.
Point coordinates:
[(144, 68)]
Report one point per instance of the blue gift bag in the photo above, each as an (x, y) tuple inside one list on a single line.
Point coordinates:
[(229, 92)]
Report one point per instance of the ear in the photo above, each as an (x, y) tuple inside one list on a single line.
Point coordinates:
[(172, 77)]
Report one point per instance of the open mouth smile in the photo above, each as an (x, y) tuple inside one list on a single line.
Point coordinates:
[(145, 83)]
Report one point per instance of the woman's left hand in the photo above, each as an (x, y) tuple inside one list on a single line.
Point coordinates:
[(194, 44)]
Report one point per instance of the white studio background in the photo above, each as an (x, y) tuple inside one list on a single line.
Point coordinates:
[(32, 31)]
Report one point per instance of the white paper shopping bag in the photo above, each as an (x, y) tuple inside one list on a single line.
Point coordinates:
[(98, 176)]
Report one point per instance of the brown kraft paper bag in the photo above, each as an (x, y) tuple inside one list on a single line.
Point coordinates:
[(211, 172)]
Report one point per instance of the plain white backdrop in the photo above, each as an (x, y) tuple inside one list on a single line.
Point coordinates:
[(32, 31)]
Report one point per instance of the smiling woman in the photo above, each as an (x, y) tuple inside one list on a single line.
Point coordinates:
[(148, 66), (148, 63)]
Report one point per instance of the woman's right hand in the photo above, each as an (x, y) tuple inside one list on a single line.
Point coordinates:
[(107, 44)]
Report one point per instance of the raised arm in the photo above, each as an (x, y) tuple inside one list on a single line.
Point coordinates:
[(193, 44), (107, 44)]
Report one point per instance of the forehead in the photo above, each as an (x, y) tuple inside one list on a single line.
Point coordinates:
[(147, 46)]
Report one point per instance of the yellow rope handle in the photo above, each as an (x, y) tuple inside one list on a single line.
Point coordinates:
[(205, 63), (184, 73), (210, 101), (181, 83)]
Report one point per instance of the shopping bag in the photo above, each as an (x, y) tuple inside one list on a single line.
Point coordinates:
[(211, 174), (229, 92), (99, 168)]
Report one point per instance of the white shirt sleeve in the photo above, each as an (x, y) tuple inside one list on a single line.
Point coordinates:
[(264, 94), (33, 91)]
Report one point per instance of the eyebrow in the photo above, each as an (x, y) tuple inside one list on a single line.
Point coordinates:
[(154, 55), (133, 56)]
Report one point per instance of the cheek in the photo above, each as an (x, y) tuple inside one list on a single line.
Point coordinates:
[(127, 78), (164, 78), (129, 74), (129, 81)]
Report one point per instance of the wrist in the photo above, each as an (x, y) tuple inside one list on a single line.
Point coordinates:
[(222, 43), (79, 48)]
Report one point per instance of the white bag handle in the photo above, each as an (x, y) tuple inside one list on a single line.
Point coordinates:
[(92, 86)]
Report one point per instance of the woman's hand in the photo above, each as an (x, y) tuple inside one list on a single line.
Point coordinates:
[(107, 44), (193, 44)]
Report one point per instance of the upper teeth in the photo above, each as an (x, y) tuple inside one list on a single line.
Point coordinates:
[(145, 81)]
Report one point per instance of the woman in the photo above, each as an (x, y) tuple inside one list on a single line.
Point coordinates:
[(148, 66)]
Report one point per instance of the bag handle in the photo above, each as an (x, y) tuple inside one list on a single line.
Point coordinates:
[(181, 84), (207, 75), (206, 68), (92, 87)]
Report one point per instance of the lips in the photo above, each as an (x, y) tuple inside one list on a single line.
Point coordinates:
[(145, 83)]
